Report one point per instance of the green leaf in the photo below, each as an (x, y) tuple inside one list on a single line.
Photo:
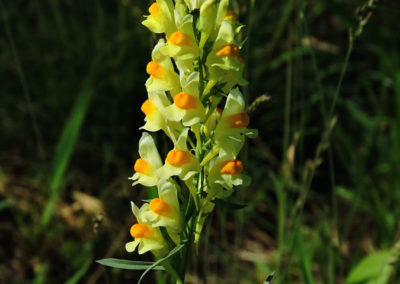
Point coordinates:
[(369, 268), (171, 253), (229, 205), (129, 264)]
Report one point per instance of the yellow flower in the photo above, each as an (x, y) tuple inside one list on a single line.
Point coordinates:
[(232, 127), (224, 63), (226, 171), (161, 18), (162, 74), (233, 77), (164, 210), (212, 14), (145, 236), (232, 17), (179, 162), (182, 46), (154, 109), (187, 105), (149, 161)]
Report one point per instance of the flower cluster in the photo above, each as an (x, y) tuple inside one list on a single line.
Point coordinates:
[(194, 99)]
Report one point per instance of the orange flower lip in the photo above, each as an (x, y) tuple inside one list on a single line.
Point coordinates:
[(148, 108), (155, 70), (159, 207), (239, 120), (178, 158), (140, 231), (232, 167), (180, 39), (228, 50), (155, 10), (185, 101), (141, 166)]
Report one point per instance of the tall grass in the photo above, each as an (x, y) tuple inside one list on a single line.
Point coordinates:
[(64, 150)]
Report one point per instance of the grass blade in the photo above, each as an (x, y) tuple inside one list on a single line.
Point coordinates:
[(80, 273), (65, 148), (304, 260)]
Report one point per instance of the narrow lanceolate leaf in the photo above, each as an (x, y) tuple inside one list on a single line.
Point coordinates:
[(161, 260), (129, 264)]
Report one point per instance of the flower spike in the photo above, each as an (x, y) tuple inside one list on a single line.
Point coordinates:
[(195, 68)]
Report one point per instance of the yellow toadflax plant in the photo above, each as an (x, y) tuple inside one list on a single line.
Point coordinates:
[(194, 70)]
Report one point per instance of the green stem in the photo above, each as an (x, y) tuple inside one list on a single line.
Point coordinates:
[(196, 131), (214, 151), (186, 253), (200, 220), (342, 73), (192, 190)]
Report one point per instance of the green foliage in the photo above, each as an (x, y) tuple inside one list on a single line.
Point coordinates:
[(129, 264), (371, 269), (160, 264)]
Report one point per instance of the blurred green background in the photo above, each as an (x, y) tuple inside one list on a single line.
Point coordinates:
[(323, 206)]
